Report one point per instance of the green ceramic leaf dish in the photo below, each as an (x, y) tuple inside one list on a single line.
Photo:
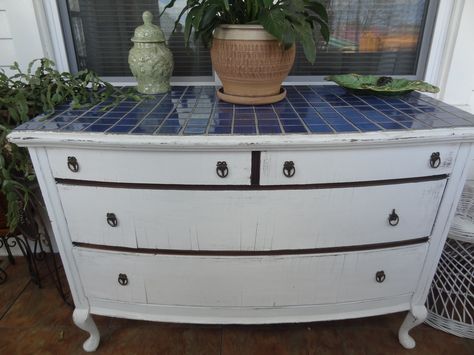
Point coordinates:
[(381, 84)]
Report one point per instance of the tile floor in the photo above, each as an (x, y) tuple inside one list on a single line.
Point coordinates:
[(36, 321)]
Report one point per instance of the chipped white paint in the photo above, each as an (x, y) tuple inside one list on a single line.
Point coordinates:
[(250, 220), (194, 168), (355, 165), (277, 142), (416, 316), (83, 320), (249, 281), (250, 289)]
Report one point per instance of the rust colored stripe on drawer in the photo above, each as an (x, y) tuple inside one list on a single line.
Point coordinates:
[(255, 172), (341, 249), (335, 185)]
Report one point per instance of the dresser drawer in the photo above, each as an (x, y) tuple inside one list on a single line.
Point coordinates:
[(244, 281), (250, 220), (332, 166), (196, 168)]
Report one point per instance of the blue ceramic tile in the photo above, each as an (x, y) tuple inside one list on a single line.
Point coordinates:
[(169, 129), (367, 127), (195, 130), (295, 129), (340, 128), (107, 121), (144, 129), (97, 128), (245, 130), (313, 120), (220, 130), (264, 129), (197, 110), (320, 129), (290, 121), (74, 127), (391, 125), (120, 129)]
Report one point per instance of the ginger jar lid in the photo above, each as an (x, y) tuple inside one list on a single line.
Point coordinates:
[(148, 32)]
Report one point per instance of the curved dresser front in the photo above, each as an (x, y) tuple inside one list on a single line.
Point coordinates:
[(256, 228)]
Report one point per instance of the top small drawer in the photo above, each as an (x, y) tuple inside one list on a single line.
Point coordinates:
[(368, 164), (194, 168)]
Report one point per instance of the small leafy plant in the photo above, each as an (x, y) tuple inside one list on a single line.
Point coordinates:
[(26, 94), (287, 20)]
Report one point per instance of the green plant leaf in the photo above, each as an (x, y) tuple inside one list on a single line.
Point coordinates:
[(304, 35), (369, 82)]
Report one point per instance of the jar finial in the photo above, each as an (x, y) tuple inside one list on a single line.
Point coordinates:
[(147, 17)]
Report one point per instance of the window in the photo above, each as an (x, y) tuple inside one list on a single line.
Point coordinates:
[(367, 37)]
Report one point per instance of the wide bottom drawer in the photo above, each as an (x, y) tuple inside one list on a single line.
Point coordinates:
[(249, 281)]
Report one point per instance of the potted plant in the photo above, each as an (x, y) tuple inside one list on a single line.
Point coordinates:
[(24, 95), (253, 41)]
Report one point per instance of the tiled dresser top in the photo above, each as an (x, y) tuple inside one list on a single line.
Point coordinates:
[(195, 110)]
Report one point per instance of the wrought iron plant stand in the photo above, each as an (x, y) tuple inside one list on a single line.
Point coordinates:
[(34, 242)]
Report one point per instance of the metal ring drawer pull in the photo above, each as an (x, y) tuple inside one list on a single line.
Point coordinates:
[(380, 276), (221, 169), (435, 160), (393, 218), (112, 220), (123, 279), (72, 164), (289, 169)]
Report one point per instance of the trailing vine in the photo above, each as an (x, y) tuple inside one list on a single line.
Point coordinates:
[(23, 96)]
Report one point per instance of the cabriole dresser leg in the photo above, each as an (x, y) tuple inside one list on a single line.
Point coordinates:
[(82, 318), (416, 316)]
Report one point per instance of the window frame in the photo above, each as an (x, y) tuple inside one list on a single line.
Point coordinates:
[(427, 38)]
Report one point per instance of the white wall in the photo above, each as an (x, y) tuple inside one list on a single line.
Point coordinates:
[(457, 88), (20, 38)]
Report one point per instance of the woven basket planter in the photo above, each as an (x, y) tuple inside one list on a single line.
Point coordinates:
[(251, 64), (450, 301)]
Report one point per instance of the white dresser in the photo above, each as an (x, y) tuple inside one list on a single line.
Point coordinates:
[(244, 226)]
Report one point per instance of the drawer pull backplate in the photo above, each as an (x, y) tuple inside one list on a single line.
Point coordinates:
[(123, 279), (72, 164), (289, 169), (393, 218), (221, 169), (435, 160), (380, 276), (112, 219)]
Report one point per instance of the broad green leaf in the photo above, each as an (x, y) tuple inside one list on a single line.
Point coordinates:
[(318, 8), (369, 82), (304, 34)]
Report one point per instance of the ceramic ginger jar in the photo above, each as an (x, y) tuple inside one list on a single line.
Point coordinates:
[(150, 60)]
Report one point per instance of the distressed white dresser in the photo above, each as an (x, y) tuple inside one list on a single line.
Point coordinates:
[(182, 208)]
